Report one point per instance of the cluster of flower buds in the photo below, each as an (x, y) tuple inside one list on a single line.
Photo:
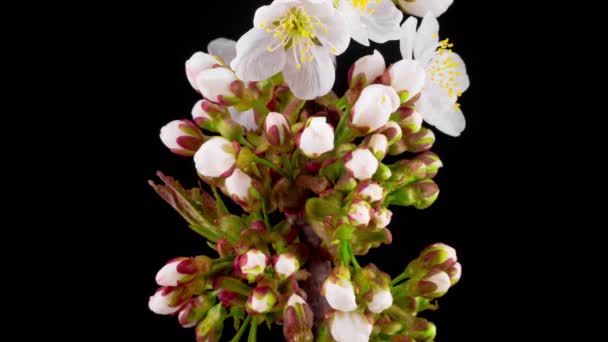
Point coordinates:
[(269, 134)]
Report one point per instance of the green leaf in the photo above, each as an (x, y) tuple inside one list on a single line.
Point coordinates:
[(221, 206)]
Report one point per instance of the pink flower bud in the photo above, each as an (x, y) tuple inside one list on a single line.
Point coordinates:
[(297, 320), (339, 293), (238, 185), (198, 63), (250, 265), (316, 138), (372, 192), (361, 163), (199, 114), (407, 76), (349, 327), (370, 66), (435, 285), (374, 107), (277, 129), (382, 299), (216, 83), (261, 301), (166, 301), (181, 137), (382, 217), (215, 158), (378, 144), (177, 271), (455, 272), (195, 310), (393, 132), (285, 264), (359, 213)]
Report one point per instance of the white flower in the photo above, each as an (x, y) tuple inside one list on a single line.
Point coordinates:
[(277, 128), (362, 163), (378, 144), (420, 8), (215, 158), (316, 138), (181, 137), (295, 37), (448, 252), (163, 302), (252, 263), (359, 213), (446, 75), (245, 119), (177, 271), (339, 294), (372, 192), (198, 63), (238, 184), (372, 66), (374, 107), (407, 75), (350, 327), (382, 217), (375, 20), (285, 264), (223, 48), (215, 84), (381, 300)]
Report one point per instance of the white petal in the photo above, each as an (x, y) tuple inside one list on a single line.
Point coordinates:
[(168, 274), (159, 304), (427, 39), (238, 184), (223, 48), (314, 79), (374, 106), (420, 7), (295, 299), (451, 122), (442, 280), (256, 262), (350, 327), (408, 35), (373, 66), (362, 164), (286, 265), (383, 24), (169, 134), (198, 112), (214, 157), (253, 61), (336, 38), (245, 119), (266, 15)]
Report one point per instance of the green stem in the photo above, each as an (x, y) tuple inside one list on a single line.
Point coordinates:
[(286, 162), (253, 331), (242, 329), (399, 279), (243, 141), (220, 267), (271, 165), (260, 107), (352, 258), (226, 258), (265, 214)]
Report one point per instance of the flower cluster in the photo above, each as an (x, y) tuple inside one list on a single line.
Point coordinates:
[(271, 135)]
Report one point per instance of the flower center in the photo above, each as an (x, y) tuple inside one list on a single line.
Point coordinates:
[(298, 31), (444, 71), (362, 5)]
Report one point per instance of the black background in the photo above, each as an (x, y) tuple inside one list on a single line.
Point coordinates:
[(124, 232), (458, 218)]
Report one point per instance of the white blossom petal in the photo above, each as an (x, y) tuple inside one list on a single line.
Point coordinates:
[(420, 7), (253, 61), (238, 184), (224, 48), (408, 34), (381, 300), (350, 327), (245, 119), (315, 77), (427, 39), (373, 66), (215, 157)]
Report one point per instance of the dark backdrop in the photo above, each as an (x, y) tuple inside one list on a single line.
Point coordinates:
[(467, 215)]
